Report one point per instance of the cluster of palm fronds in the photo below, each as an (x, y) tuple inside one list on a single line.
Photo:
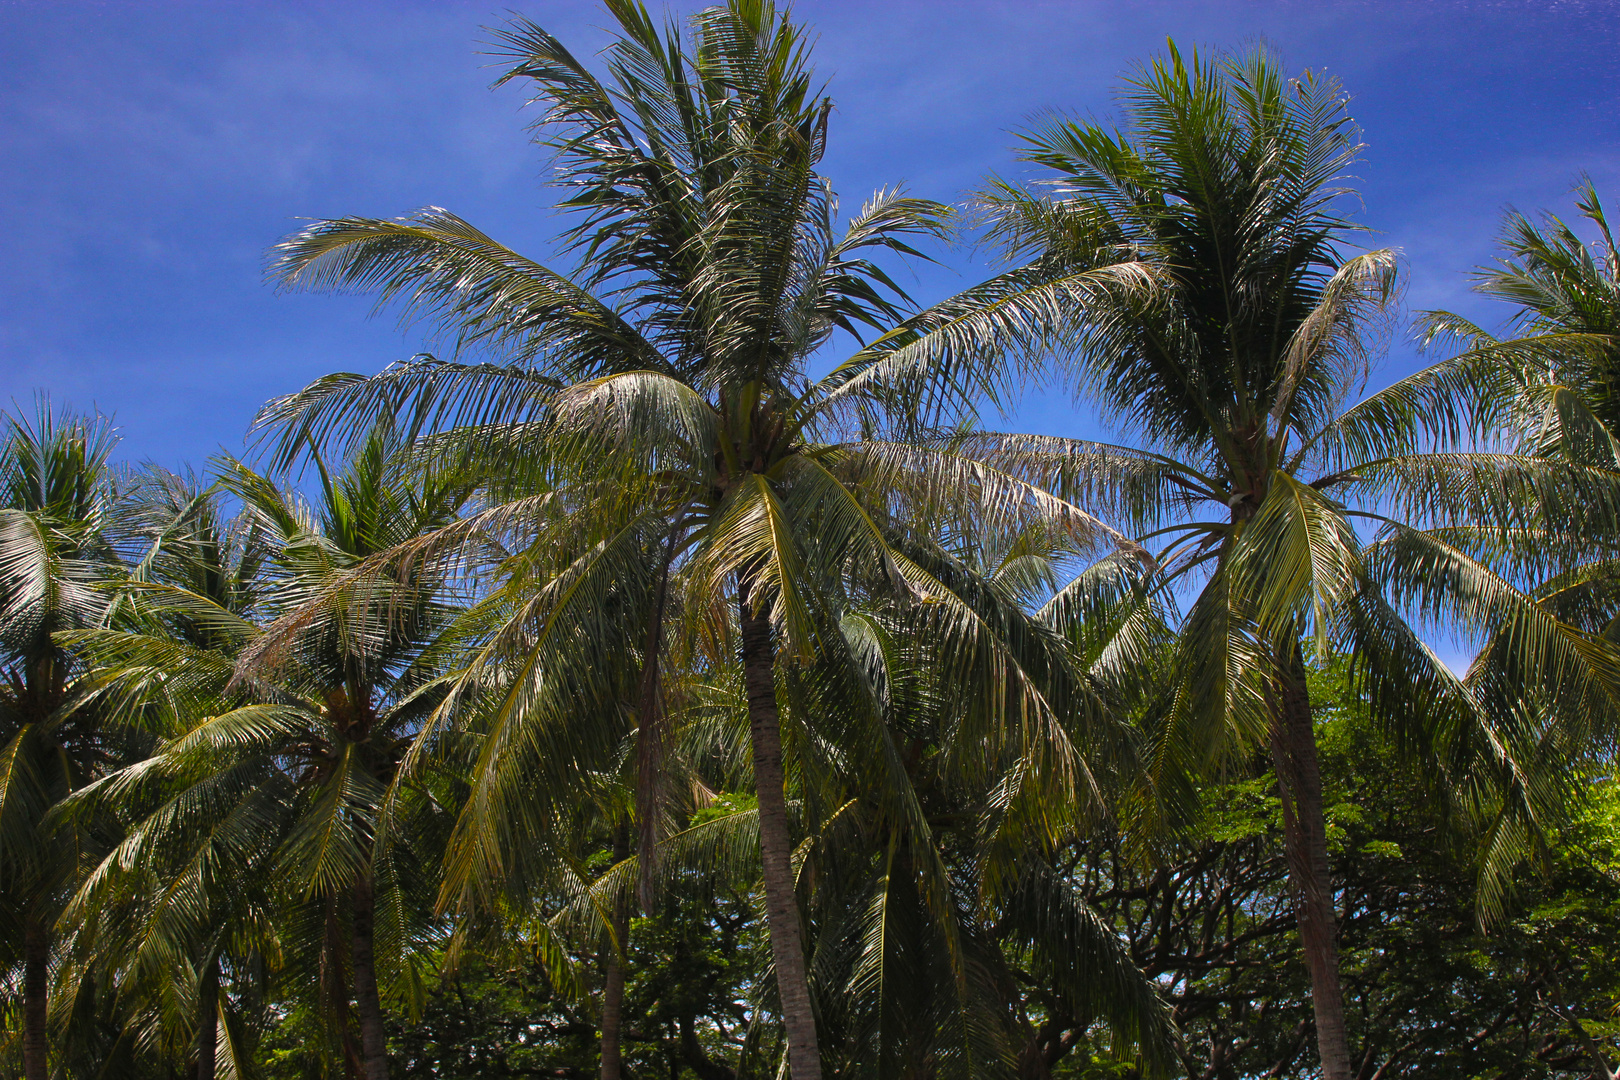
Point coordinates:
[(637, 582)]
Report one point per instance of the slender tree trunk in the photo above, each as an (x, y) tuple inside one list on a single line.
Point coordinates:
[(650, 720), (1299, 782), (612, 1013), (334, 992), (208, 1020), (36, 981), (650, 735), (613, 978), (776, 844), (367, 1002)]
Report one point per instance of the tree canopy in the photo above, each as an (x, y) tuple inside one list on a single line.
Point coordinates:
[(683, 676)]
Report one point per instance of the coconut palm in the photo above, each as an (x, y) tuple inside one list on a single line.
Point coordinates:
[(927, 832), (1566, 295), (58, 525), (155, 918), (1554, 397), (291, 737), (662, 390), (950, 921), (1253, 466)]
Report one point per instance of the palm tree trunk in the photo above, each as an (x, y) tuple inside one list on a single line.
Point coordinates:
[(776, 843), (367, 1002), (612, 1012), (650, 736), (208, 1020), (1299, 783), (334, 992), (613, 977), (36, 980), (651, 723)]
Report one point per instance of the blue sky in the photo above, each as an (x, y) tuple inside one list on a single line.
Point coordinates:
[(153, 151)]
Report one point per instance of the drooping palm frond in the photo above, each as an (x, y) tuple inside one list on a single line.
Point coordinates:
[(1545, 671), (1081, 959), (915, 915), (439, 266)]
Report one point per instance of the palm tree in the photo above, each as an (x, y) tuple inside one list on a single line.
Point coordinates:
[(662, 391), (156, 915), (930, 837), (1553, 396), (1567, 299), (58, 522), (1252, 471), (929, 827), (951, 923), (294, 732)]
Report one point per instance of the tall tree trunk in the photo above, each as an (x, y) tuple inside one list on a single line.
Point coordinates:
[(776, 843), (367, 1002), (650, 734), (613, 976), (208, 1019), (36, 982), (1299, 782), (334, 991)]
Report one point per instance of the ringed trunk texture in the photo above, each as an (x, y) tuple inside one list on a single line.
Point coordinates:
[(776, 844), (1299, 782), (613, 981), (367, 1002), (36, 982), (208, 1021)]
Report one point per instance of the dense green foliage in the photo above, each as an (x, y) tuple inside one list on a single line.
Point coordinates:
[(610, 697), (1431, 994), (1431, 991)]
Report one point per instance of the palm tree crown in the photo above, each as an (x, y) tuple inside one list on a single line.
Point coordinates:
[(663, 389), (58, 531), (1254, 466), (292, 729)]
